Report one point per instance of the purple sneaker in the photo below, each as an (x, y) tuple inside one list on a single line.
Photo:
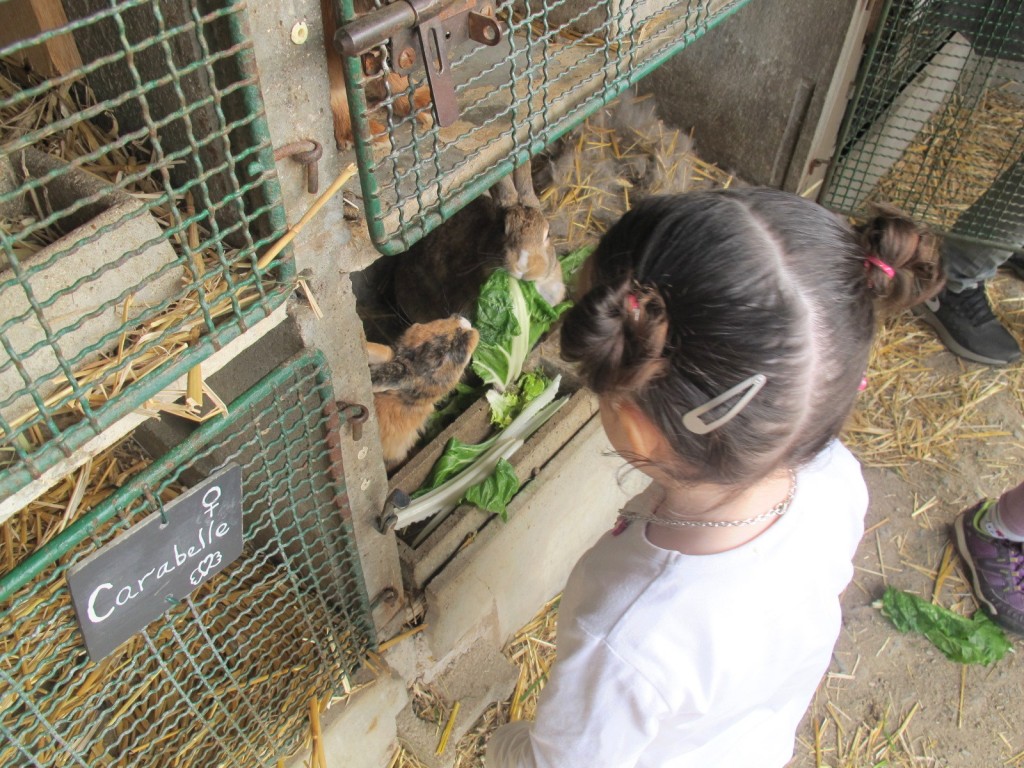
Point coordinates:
[(996, 567)]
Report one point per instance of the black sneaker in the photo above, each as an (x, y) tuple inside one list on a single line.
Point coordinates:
[(965, 323), (1015, 264)]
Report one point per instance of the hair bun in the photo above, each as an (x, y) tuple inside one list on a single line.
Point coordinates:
[(910, 251), (618, 336)]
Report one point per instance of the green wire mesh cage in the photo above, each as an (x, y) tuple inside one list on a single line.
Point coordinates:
[(226, 676), (133, 207), (936, 124), (506, 79)]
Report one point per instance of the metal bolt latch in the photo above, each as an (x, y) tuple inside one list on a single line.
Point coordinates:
[(356, 415), (396, 500), (308, 153), (423, 31)]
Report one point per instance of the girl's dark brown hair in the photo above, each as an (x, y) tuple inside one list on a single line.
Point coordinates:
[(689, 295)]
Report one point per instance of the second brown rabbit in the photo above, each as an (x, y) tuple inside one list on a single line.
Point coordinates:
[(411, 375), (444, 271)]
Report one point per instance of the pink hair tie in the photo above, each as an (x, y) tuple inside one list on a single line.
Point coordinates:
[(873, 259), (634, 306)]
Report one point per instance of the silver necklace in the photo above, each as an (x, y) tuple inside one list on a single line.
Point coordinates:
[(777, 511)]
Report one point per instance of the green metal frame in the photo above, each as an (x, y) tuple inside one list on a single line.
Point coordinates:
[(624, 48), (225, 120), (909, 38), (226, 676)]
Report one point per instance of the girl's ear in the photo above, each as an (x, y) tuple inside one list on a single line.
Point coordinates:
[(643, 438)]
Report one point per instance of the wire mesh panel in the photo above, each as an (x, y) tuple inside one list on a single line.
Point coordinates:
[(133, 207), (227, 675), (936, 125), (550, 64)]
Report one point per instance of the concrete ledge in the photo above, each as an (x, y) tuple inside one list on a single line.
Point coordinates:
[(475, 680), (72, 278)]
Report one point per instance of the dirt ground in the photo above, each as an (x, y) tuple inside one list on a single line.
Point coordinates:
[(894, 700)]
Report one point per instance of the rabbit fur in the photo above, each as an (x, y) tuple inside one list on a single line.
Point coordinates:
[(444, 271), (410, 376)]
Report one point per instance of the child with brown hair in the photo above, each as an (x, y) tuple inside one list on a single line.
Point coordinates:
[(726, 335)]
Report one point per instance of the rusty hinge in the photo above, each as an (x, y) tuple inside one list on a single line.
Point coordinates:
[(422, 31)]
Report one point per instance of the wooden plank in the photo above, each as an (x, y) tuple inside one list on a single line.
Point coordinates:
[(25, 19)]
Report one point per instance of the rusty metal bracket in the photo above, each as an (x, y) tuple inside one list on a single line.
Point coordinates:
[(396, 500), (308, 153), (422, 32), (356, 415)]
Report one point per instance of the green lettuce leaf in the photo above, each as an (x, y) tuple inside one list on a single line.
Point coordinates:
[(510, 316), (506, 405), (977, 640), (494, 493), (456, 456), (464, 465)]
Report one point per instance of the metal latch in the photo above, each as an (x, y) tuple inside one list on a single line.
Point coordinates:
[(422, 31)]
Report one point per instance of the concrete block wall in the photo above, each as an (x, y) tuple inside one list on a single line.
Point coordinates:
[(765, 91)]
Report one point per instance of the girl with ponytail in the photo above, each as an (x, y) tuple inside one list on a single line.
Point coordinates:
[(726, 335)]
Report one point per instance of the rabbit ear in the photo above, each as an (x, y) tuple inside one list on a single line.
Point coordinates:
[(385, 377), (504, 192), (522, 178), (378, 353)]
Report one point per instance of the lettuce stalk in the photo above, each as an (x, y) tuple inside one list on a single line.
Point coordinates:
[(477, 463)]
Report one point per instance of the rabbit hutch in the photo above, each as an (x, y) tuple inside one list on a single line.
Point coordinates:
[(207, 209)]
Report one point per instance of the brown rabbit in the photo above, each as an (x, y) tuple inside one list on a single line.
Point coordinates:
[(443, 272), (376, 89), (408, 377)]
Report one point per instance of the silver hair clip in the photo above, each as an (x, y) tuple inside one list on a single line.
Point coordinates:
[(692, 419)]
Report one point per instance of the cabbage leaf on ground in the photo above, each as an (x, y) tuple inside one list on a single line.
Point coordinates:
[(977, 640)]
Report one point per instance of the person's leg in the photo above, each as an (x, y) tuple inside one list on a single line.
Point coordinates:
[(990, 537), (1015, 264), (961, 315), (997, 215), (1005, 518)]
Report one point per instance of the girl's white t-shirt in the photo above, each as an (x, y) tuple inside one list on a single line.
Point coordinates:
[(680, 661)]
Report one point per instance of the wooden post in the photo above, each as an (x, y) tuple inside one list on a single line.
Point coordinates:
[(25, 19)]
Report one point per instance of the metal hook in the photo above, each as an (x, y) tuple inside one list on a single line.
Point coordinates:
[(155, 501), (306, 152), (397, 499), (356, 415)]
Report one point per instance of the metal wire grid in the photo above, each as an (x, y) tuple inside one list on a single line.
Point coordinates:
[(936, 123), (558, 62), (225, 677), (133, 205)]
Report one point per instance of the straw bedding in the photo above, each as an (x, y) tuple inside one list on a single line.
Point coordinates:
[(210, 651), (152, 343)]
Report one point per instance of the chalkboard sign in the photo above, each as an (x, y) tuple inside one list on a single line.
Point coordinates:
[(134, 579)]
